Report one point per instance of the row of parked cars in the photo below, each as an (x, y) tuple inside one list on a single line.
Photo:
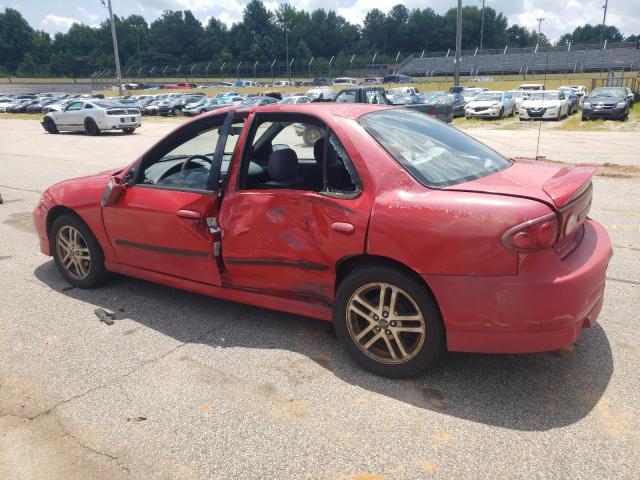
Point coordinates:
[(531, 102)]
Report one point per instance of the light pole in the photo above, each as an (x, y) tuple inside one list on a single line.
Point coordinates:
[(456, 60), (604, 18), (540, 20), (115, 45), (482, 26)]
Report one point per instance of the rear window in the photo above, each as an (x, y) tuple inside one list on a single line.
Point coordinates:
[(435, 154)]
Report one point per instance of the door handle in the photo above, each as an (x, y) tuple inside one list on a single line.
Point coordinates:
[(343, 227), (191, 214)]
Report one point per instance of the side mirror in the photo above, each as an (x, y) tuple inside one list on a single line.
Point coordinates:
[(112, 192)]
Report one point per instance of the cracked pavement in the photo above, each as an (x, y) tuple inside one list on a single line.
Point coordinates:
[(188, 387)]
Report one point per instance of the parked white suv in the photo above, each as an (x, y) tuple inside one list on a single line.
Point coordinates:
[(92, 117)]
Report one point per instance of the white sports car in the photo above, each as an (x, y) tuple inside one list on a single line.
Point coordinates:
[(93, 116)]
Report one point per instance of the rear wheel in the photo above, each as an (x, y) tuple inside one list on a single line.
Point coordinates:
[(76, 252), (128, 130), (90, 127), (50, 125), (388, 321)]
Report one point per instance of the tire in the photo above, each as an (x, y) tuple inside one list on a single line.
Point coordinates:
[(501, 113), (584, 117), (310, 135), (50, 125), (177, 112), (86, 269), (420, 349), (202, 111), (128, 130), (90, 127)]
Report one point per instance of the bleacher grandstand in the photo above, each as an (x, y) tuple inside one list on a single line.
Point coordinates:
[(574, 59)]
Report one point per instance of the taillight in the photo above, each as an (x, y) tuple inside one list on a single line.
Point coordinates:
[(533, 234), (431, 112)]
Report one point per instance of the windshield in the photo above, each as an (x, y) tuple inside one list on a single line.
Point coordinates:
[(543, 96), (433, 153), (288, 100), (469, 93), (608, 92), (483, 97)]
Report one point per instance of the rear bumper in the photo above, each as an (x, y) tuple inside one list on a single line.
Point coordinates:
[(542, 308)]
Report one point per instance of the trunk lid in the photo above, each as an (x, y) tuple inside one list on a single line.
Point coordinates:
[(564, 188), (553, 184)]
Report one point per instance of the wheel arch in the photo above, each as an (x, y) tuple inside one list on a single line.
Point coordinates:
[(60, 210), (347, 265)]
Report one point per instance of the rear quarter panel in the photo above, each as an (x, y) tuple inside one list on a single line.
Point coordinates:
[(442, 232)]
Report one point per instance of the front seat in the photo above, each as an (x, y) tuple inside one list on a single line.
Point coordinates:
[(282, 168)]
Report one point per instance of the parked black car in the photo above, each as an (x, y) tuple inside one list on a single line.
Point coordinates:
[(606, 102), (37, 107), (175, 107)]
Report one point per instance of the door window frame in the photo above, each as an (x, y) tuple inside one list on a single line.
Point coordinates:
[(290, 118), (134, 177)]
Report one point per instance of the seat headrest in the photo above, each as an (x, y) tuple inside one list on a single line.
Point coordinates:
[(283, 165), (318, 152), (318, 149)]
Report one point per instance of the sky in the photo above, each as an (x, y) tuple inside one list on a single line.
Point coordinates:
[(560, 16)]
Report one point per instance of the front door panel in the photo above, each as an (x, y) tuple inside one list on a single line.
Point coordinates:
[(154, 229)]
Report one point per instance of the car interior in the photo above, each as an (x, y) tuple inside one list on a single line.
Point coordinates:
[(275, 157)]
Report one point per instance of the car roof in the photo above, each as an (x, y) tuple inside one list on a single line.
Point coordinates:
[(324, 111)]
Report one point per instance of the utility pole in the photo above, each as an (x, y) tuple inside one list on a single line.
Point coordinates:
[(456, 60), (482, 26), (115, 46), (604, 18), (540, 20)]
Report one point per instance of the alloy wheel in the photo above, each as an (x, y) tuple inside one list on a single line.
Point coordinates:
[(73, 252), (385, 323)]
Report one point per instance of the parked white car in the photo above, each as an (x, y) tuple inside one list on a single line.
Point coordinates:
[(581, 90), (548, 104), (92, 117), (519, 96), (402, 91), (295, 99), (345, 81), (491, 105), (326, 92)]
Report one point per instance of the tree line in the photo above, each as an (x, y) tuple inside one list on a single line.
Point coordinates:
[(177, 37)]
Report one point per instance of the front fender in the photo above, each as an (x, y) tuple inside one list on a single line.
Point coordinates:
[(81, 196)]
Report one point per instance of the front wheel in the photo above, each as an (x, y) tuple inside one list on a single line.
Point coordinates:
[(50, 125), (76, 252), (128, 130), (388, 322), (177, 112), (501, 113)]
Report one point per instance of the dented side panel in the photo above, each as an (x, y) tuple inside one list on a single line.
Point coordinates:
[(283, 241)]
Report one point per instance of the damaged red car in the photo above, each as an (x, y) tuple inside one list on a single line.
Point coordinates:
[(410, 236)]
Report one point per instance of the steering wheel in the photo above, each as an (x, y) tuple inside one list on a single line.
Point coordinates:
[(190, 159)]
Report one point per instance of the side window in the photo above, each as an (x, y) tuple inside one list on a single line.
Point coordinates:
[(346, 97), (298, 156), (88, 106), (74, 106), (188, 164)]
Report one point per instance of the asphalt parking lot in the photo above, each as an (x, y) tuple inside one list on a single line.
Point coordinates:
[(188, 387)]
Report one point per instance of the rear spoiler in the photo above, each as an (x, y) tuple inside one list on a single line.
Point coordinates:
[(569, 183)]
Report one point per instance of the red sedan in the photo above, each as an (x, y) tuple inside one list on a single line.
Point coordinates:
[(409, 235)]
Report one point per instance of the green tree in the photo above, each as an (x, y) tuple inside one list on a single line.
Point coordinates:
[(16, 38)]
